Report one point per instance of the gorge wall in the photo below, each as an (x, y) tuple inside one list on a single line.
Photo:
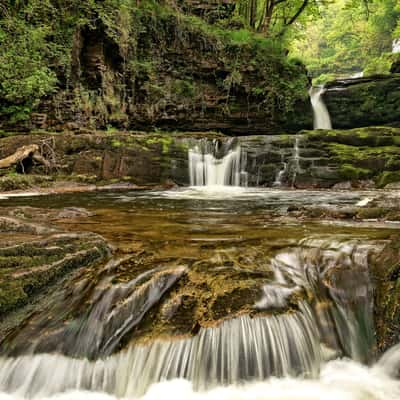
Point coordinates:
[(152, 65), (365, 101)]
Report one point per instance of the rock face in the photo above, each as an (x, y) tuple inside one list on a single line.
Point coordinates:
[(140, 159), (363, 158), (362, 102), (160, 67), (386, 271)]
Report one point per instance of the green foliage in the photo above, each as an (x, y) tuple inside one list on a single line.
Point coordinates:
[(25, 75), (275, 17), (378, 65), (348, 36), (40, 38), (323, 78)]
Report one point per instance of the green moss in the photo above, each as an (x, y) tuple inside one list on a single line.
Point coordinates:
[(165, 142), (387, 177), (183, 88), (116, 143), (349, 172)]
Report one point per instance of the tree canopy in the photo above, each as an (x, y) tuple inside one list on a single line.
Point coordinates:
[(349, 36)]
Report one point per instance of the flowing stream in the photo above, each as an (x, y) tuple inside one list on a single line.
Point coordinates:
[(322, 119), (301, 329)]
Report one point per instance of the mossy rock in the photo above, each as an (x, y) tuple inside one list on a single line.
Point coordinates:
[(349, 172)]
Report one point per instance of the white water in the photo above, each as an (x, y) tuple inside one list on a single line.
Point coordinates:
[(322, 119), (205, 169), (296, 158), (282, 344), (338, 380), (396, 46), (280, 175), (239, 349), (357, 75)]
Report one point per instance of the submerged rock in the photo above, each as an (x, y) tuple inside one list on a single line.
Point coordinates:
[(35, 261)]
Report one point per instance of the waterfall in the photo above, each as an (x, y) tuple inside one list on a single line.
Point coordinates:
[(281, 173), (291, 167), (357, 75), (321, 115), (288, 336), (296, 159), (242, 348), (209, 165), (396, 45)]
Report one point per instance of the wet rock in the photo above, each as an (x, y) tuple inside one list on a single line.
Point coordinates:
[(386, 273), (372, 213), (36, 260), (342, 186), (364, 101), (15, 225), (74, 212), (393, 186)]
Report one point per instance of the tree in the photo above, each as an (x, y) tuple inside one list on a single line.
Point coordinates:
[(348, 36), (273, 16)]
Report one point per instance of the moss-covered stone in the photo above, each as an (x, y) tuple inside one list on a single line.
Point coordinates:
[(36, 259), (386, 272), (364, 102), (387, 177)]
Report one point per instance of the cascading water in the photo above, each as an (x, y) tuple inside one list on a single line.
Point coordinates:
[(396, 46), (322, 119), (291, 165), (357, 75), (281, 173), (213, 164), (334, 318)]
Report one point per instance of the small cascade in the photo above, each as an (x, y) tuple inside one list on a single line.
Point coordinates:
[(357, 75), (396, 46), (290, 165), (114, 308), (321, 115), (281, 173), (213, 164), (240, 349), (296, 159), (337, 274)]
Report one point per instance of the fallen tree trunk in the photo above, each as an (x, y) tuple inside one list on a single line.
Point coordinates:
[(21, 154)]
